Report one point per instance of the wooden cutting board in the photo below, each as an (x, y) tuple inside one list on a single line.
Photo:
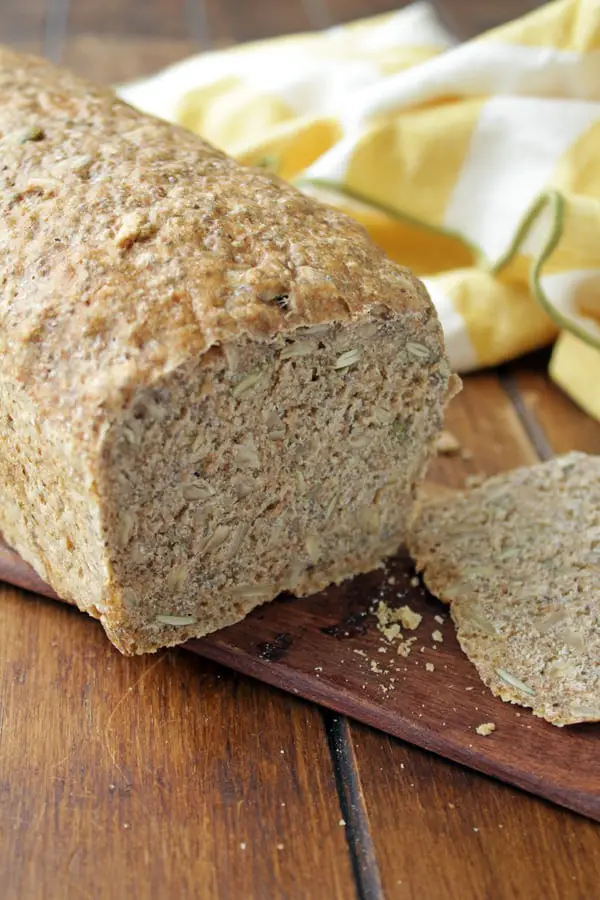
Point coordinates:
[(328, 648)]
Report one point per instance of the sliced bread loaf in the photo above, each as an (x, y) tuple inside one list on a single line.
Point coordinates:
[(212, 388), (518, 560)]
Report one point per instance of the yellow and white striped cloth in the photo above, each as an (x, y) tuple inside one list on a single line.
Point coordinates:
[(477, 165)]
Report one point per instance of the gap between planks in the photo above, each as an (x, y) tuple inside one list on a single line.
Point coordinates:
[(354, 812), (529, 422)]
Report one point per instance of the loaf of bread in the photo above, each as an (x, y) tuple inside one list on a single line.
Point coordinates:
[(212, 388)]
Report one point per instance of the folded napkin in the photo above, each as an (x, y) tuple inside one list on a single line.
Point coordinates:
[(477, 165)]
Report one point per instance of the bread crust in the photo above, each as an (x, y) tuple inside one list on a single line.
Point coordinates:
[(129, 246)]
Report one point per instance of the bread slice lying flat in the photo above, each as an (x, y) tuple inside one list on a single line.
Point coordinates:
[(518, 560), (212, 388)]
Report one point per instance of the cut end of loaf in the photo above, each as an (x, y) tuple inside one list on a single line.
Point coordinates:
[(265, 467)]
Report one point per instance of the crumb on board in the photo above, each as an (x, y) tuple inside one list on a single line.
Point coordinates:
[(375, 668), (414, 581), (405, 647), (447, 443), (486, 728), (409, 619), (439, 619), (390, 623), (430, 667), (342, 822), (437, 636), (391, 632)]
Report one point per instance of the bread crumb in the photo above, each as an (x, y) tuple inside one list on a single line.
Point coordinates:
[(475, 829), (447, 443), (375, 668), (451, 806), (437, 636), (439, 619), (242, 845), (409, 619), (414, 581), (391, 580), (430, 667), (486, 728), (360, 652), (405, 647), (391, 633), (342, 822)]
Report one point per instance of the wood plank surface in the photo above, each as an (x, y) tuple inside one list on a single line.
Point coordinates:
[(550, 412), (141, 777), (467, 18)]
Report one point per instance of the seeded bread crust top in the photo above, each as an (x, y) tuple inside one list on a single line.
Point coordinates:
[(129, 246)]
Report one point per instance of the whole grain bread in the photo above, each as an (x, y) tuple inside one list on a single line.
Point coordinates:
[(212, 388), (518, 560)]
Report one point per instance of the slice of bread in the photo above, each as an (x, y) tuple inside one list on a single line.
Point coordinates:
[(518, 560)]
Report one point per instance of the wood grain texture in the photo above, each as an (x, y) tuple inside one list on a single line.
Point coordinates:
[(444, 832), (154, 777), (468, 18), (562, 423), (118, 59), (256, 20), (153, 18), (23, 24)]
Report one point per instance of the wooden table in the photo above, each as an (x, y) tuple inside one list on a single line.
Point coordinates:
[(169, 777)]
